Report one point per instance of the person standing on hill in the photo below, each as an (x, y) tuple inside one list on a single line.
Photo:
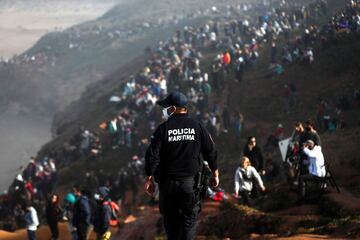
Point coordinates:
[(113, 131), (254, 153), (238, 123), (53, 215), (239, 69), (102, 214), (298, 134), (69, 202), (173, 159), (311, 133), (244, 176), (226, 118), (82, 213), (31, 220)]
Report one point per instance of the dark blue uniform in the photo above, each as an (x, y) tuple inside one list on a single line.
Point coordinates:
[(173, 157)]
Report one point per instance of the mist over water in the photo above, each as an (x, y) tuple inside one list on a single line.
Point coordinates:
[(20, 138), (22, 24)]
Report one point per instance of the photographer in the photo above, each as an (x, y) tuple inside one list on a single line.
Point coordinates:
[(316, 165)]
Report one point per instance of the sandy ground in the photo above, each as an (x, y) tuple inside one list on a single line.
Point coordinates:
[(43, 233), (21, 28)]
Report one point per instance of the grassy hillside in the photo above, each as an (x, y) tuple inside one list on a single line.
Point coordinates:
[(334, 73), (258, 98), (67, 61)]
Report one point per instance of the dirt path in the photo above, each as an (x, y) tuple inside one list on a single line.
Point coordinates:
[(43, 233), (345, 199)]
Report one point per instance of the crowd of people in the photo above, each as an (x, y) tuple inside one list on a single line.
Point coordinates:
[(33, 184), (98, 35), (179, 64), (28, 201), (83, 213), (304, 163)]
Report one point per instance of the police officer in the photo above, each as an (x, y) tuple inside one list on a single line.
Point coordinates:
[(173, 159)]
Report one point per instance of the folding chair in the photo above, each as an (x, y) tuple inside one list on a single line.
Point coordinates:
[(328, 179), (322, 183)]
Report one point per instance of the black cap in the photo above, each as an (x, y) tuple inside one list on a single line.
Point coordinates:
[(103, 191), (176, 99), (310, 142)]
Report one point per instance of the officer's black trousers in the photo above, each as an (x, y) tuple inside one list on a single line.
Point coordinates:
[(180, 208)]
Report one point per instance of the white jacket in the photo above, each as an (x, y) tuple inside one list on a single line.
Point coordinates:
[(35, 220), (316, 159), (243, 179)]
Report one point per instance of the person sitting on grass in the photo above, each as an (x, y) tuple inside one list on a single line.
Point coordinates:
[(244, 177)]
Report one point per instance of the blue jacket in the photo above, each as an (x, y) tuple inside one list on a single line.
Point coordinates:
[(82, 211)]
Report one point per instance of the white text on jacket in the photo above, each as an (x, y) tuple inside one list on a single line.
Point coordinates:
[(182, 134)]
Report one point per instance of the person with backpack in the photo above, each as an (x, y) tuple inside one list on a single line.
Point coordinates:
[(81, 213), (53, 215), (31, 220), (69, 202), (103, 214)]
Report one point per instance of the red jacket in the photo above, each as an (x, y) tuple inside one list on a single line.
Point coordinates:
[(226, 58)]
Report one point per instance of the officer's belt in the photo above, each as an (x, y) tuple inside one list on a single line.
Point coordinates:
[(172, 178)]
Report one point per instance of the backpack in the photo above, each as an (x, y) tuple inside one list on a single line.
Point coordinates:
[(115, 209), (218, 197)]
